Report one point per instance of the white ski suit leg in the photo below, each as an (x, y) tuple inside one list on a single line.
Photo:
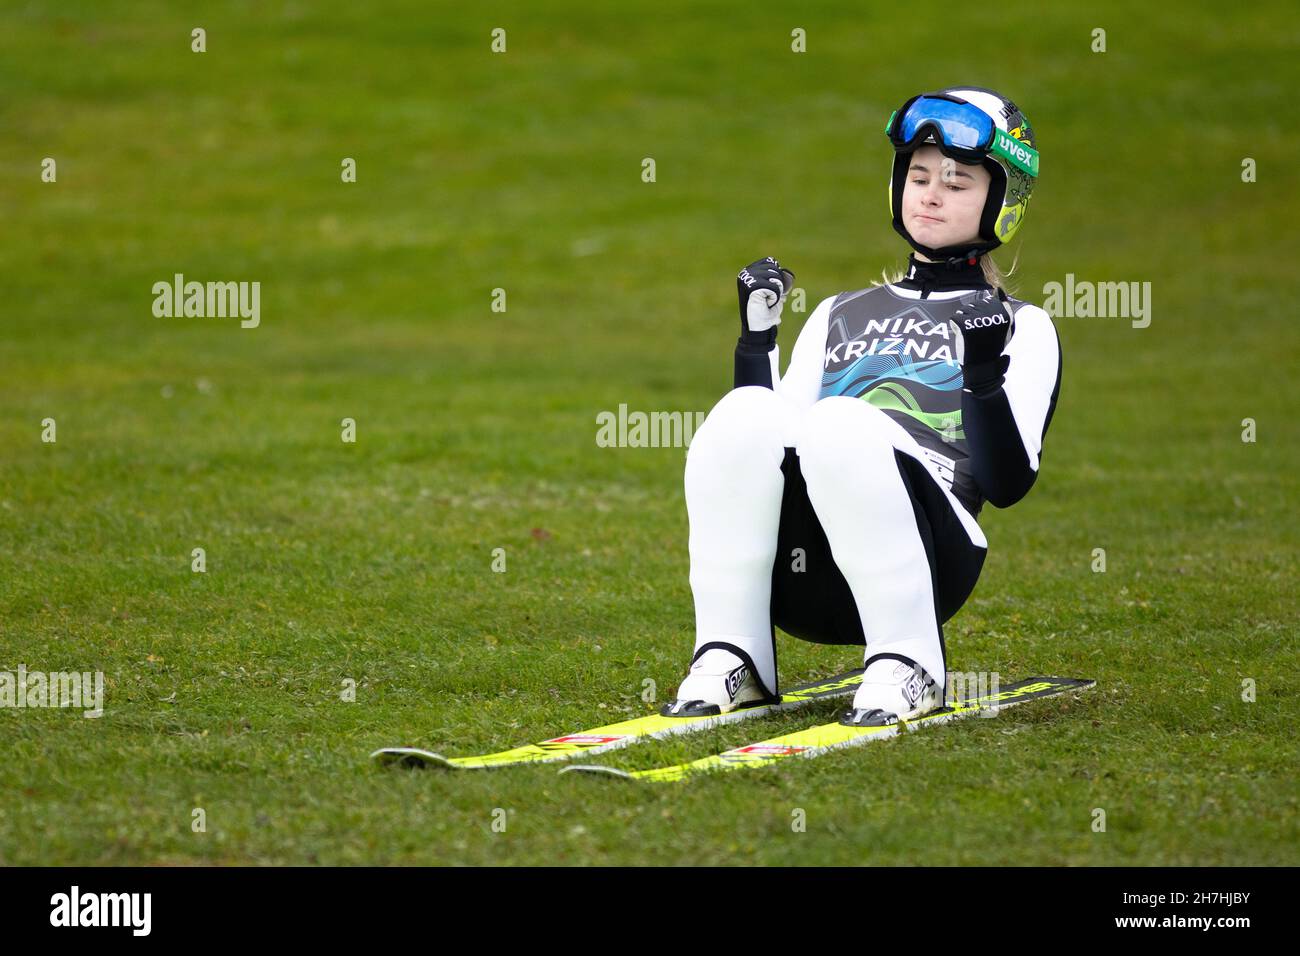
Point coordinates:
[(733, 498), (847, 454)]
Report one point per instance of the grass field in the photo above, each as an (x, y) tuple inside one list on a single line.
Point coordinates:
[(372, 561)]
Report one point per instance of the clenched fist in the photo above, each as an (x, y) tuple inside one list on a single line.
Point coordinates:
[(983, 327), (763, 286)]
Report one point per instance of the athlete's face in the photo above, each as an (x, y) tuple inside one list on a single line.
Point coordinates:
[(943, 199)]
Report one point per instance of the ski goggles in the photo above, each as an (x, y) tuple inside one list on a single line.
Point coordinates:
[(962, 130)]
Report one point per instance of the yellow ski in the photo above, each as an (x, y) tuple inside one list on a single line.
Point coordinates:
[(600, 739), (818, 740)]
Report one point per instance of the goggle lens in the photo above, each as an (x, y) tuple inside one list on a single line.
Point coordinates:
[(960, 124)]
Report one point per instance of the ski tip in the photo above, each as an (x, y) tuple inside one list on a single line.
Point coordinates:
[(598, 771), (409, 757)]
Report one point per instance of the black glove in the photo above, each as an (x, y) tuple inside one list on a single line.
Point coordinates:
[(762, 286), (983, 327)]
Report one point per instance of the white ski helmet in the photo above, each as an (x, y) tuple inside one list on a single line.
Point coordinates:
[(971, 125)]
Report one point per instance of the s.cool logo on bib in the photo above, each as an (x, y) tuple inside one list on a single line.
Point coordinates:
[(983, 321)]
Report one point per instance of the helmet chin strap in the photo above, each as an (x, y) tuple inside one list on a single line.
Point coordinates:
[(962, 253)]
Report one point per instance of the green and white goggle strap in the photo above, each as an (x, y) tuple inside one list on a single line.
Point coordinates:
[(965, 132)]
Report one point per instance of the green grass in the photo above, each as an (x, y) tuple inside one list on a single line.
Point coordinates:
[(372, 562)]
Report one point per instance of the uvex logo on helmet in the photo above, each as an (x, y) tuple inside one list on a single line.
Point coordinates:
[(1010, 144)]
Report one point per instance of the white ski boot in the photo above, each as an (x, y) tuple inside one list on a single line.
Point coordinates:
[(894, 688), (720, 681)]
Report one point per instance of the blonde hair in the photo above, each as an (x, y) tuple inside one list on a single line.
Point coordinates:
[(993, 273)]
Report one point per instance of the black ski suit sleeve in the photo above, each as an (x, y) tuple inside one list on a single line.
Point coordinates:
[(753, 359)]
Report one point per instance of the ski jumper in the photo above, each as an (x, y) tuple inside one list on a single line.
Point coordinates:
[(839, 501)]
